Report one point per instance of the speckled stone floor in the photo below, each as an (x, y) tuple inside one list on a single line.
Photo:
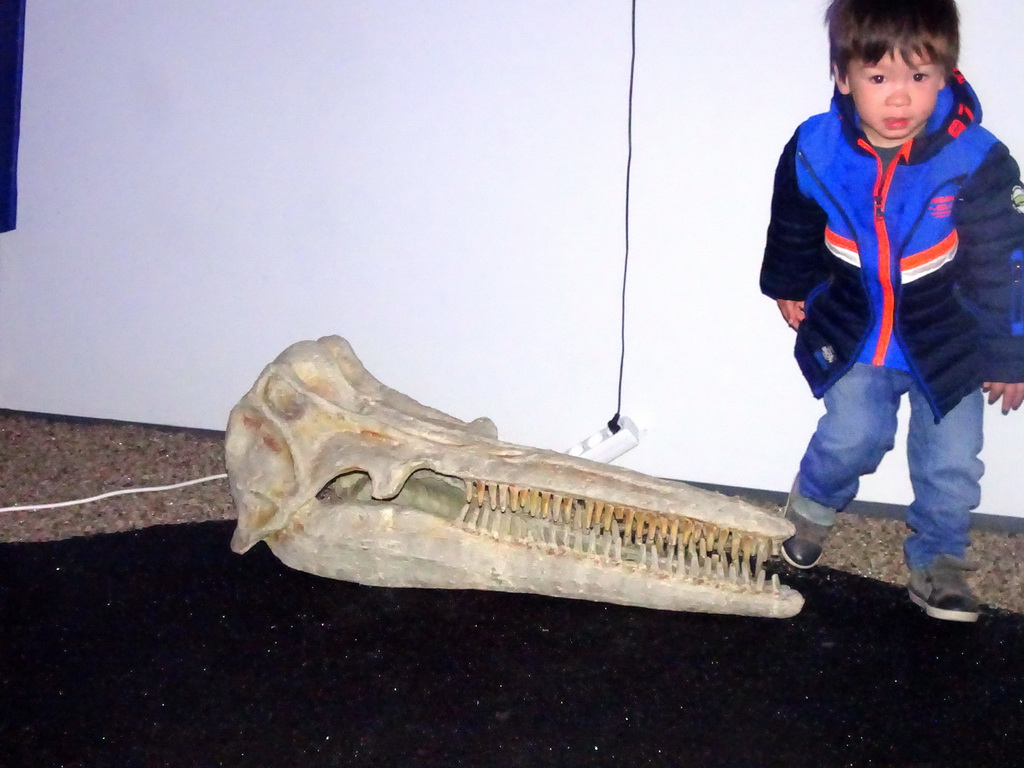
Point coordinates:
[(130, 635)]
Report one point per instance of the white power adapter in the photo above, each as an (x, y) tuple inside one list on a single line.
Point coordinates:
[(606, 445)]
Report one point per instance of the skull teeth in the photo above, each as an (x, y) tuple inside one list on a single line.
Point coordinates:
[(666, 547)]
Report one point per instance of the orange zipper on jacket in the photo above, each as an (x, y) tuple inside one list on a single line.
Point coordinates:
[(881, 194)]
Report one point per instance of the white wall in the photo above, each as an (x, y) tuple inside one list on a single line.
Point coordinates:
[(442, 182)]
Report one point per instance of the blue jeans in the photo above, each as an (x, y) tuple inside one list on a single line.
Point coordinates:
[(859, 428)]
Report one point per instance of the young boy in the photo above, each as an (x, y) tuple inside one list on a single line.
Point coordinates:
[(896, 249)]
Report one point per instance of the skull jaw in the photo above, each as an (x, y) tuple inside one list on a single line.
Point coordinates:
[(363, 544)]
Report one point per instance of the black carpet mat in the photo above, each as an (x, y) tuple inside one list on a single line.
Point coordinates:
[(161, 647)]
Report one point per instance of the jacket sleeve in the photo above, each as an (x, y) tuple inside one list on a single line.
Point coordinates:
[(793, 262), (990, 226)]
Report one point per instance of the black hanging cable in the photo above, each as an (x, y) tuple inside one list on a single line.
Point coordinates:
[(613, 425)]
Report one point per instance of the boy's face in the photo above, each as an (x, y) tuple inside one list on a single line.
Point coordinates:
[(894, 98)]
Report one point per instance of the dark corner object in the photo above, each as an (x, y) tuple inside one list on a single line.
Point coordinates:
[(12, 38)]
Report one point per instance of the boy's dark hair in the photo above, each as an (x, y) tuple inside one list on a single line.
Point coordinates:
[(867, 30)]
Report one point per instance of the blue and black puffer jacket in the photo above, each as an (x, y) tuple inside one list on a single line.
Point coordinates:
[(916, 265)]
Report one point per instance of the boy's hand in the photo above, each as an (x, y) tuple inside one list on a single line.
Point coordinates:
[(792, 312), (1012, 394)]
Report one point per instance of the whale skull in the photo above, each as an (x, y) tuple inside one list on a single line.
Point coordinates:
[(346, 478)]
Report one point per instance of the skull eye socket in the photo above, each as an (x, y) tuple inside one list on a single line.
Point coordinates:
[(424, 491), (346, 488)]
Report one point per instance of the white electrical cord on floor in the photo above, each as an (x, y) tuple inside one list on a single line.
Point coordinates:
[(30, 507)]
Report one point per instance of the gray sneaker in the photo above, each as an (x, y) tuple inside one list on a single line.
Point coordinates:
[(941, 590), (803, 549)]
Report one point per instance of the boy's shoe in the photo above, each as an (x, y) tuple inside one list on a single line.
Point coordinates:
[(803, 549), (941, 590)]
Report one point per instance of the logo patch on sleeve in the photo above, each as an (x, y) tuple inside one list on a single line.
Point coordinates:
[(1017, 198), (825, 356)]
